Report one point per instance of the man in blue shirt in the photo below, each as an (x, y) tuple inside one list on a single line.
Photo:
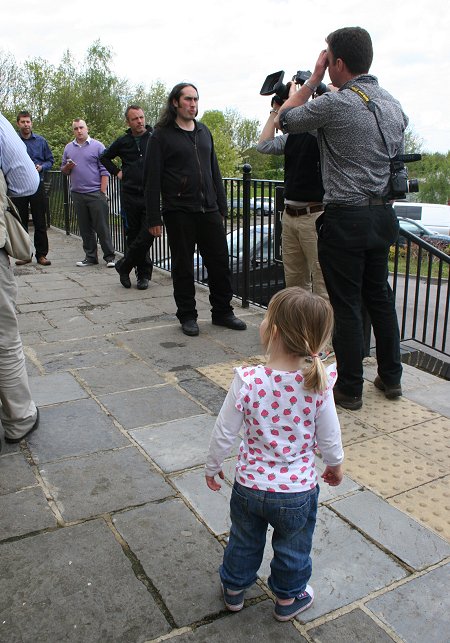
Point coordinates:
[(18, 413), (40, 153)]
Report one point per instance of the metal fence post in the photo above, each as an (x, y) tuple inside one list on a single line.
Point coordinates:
[(246, 184), (66, 202)]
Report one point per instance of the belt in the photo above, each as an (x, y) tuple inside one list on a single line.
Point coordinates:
[(362, 203), (298, 212)]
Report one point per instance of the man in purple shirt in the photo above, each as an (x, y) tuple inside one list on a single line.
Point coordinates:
[(88, 183), (40, 153)]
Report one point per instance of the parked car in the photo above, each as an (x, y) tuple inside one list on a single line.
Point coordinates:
[(420, 231), (263, 205)]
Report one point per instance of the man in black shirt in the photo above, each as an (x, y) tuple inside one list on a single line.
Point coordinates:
[(181, 167), (131, 149)]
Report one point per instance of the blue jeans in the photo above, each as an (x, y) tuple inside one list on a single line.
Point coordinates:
[(293, 518)]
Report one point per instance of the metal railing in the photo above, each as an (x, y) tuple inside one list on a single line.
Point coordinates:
[(419, 274)]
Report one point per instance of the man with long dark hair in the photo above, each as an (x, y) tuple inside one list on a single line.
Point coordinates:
[(181, 167)]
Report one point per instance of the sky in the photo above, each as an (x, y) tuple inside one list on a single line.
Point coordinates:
[(227, 48)]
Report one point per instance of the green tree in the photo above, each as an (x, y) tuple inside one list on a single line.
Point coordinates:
[(227, 152), (151, 100), (433, 172)]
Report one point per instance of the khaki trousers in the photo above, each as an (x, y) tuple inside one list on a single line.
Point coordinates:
[(300, 260), (17, 411)]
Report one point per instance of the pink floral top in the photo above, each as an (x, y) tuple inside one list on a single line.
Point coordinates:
[(282, 423)]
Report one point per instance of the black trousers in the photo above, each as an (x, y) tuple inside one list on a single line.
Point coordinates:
[(38, 205), (139, 239), (353, 245), (205, 229)]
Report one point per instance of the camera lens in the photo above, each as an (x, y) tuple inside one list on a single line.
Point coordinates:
[(413, 185)]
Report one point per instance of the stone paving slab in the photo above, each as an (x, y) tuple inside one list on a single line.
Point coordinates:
[(390, 415), (49, 306), (432, 438), (74, 584), (103, 482), (212, 506), (412, 543), (328, 493), (130, 373), (150, 406), (193, 433), (429, 504), (54, 388), (24, 512), (254, 623), (169, 344), (178, 554), (205, 391), (419, 610), (15, 474), (388, 467), (346, 566), (33, 322), (436, 397), (71, 429), (354, 627), (61, 355), (354, 430)]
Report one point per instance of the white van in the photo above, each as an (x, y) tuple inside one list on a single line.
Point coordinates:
[(432, 215)]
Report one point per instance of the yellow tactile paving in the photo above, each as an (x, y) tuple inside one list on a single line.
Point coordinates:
[(222, 374), (429, 504), (353, 430), (390, 415), (431, 438), (388, 467)]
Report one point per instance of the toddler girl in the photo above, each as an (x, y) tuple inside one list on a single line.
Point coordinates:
[(285, 409)]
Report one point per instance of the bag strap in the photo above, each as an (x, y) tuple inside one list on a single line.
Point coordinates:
[(372, 108)]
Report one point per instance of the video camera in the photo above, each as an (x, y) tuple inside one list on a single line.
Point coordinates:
[(399, 184), (274, 85)]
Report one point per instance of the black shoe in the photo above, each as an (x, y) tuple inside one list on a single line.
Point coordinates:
[(190, 327), (390, 391), (350, 402), (142, 283), (33, 428), (230, 321), (124, 276)]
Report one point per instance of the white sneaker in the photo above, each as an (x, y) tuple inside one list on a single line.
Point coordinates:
[(111, 263)]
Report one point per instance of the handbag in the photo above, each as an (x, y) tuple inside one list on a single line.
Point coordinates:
[(17, 241)]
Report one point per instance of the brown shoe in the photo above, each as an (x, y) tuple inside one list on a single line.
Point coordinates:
[(350, 402), (21, 262), (391, 391), (43, 261)]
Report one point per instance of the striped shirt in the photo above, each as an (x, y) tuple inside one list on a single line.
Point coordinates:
[(20, 174), (354, 158)]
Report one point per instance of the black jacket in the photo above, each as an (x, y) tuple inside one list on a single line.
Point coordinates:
[(302, 177), (182, 168), (131, 152)]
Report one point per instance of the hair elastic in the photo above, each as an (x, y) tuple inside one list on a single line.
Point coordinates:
[(314, 355)]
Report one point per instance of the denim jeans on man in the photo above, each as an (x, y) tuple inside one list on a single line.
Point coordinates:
[(353, 244), (293, 518)]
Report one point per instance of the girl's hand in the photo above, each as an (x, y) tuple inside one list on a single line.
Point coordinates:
[(333, 475), (211, 482)]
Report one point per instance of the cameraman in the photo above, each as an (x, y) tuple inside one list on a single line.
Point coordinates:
[(303, 193), (359, 224)]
